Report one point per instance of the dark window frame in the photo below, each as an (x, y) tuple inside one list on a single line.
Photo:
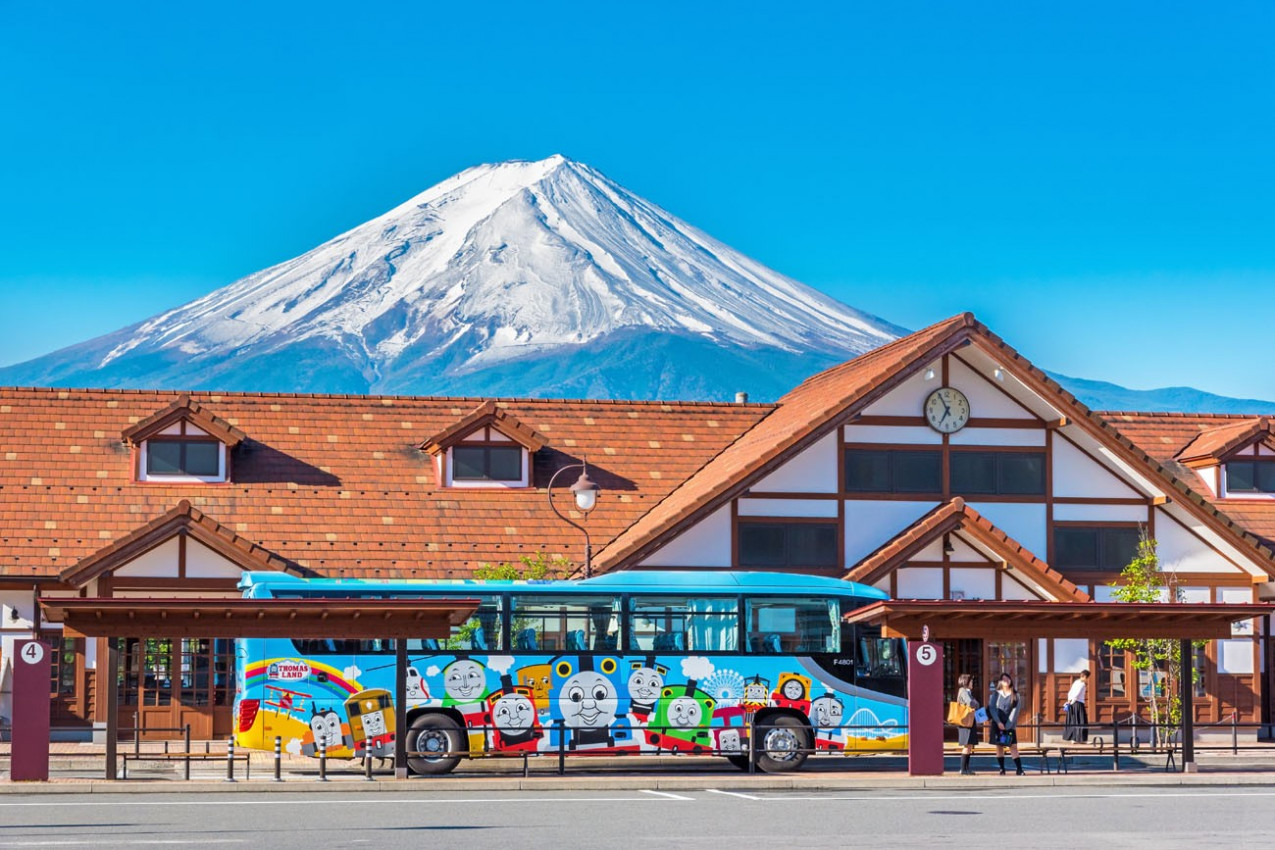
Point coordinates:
[(892, 453), (1258, 464), (999, 455), (223, 462), (789, 526), (1102, 546), (487, 449)]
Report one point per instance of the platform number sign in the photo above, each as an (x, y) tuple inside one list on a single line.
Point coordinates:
[(33, 653), (926, 654)]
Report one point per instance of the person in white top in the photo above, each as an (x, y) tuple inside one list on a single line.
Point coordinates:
[(1076, 723)]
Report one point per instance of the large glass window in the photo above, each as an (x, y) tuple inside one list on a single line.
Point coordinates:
[(787, 544), (486, 463), (1250, 476), (200, 458), (565, 624), (891, 471), (683, 624), (998, 473), (793, 626), (1095, 547), (62, 669), (879, 662), (1112, 683)]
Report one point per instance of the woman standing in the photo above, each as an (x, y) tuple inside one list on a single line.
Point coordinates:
[(1002, 708), (968, 736), (1076, 724)]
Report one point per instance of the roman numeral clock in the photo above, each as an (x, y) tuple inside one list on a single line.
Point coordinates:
[(947, 410)]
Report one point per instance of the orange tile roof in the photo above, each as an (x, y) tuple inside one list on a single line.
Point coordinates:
[(183, 408), (956, 515), (336, 484), (826, 400), (1173, 439), (804, 415), (487, 413)]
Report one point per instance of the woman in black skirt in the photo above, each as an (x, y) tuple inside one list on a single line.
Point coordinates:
[(1002, 709), (968, 736)]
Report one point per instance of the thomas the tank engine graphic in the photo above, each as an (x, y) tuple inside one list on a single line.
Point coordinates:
[(513, 724)]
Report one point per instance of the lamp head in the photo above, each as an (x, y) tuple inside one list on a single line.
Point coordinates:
[(585, 491)]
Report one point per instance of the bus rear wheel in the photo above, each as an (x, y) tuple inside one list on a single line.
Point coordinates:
[(430, 734), (784, 745)]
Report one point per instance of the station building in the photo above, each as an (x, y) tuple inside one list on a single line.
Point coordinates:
[(941, 466)]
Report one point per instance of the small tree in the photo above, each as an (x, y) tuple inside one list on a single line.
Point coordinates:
[(536, 567), (1160, 658)]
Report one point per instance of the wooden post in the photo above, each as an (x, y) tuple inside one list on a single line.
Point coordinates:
[(400, 708), (109, 687)]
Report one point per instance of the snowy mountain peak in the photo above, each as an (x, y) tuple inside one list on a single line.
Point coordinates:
[(499, 263)]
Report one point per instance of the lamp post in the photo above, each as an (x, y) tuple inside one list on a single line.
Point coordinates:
[(586, 496)]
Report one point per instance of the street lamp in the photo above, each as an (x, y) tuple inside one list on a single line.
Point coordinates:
[(586, 496)]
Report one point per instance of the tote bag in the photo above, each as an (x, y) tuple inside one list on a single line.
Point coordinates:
[(959, 714)]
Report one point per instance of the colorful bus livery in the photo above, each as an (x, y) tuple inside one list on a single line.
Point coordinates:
[(628, 662)]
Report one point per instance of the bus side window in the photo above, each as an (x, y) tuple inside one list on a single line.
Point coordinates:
[(879, 663)]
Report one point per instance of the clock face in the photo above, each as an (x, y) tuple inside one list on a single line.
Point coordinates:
[(947, 410)]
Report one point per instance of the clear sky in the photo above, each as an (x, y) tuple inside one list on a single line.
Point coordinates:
[(1096, 181)]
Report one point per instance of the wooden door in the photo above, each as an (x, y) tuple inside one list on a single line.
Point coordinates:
[(167, 683), (959, 657), (1017, 658)]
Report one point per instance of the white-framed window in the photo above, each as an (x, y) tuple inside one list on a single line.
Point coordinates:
[(1249, 478), (182, 460), (485, 464)]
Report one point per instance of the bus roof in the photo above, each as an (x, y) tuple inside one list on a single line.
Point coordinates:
[(635, 581)]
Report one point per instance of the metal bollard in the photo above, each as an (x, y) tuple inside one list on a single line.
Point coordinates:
[(1235, 734), (230, 760), (323, 763), (1115, 745), (562, 748), (752, 743), (278, 759), (187, 737), (137, 734), (367, 765)]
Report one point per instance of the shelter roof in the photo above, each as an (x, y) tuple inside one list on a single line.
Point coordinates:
[(337, 484), (955, 515), (948, 620), (242, 618)]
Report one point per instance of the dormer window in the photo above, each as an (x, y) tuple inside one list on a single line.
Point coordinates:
[(1250, 477), (183, 444), (487, 448)]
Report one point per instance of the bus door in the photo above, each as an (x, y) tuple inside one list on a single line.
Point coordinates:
[(881, 692)]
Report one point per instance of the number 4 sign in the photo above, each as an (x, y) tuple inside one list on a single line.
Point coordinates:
[(29, 758)]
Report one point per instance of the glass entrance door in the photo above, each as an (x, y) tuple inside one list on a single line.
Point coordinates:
[(961, 656), (1014, 658), (166, 683)]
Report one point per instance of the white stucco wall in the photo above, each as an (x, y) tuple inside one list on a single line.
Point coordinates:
[(920, 583), (987, 400), (812, 471), (1182, 551), (822, 508), (706, 544), (972, 436), (1075, 474), (907, 434), (160, 562), (202, 562), (869, 525), (974, 583), (1100, 513), (907, 398), (1023, 521)]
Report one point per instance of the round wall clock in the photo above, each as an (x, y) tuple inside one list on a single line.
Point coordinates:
[(947, 410)]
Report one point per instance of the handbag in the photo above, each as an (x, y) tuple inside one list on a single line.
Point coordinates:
[(981, 715), (960, 714), (1004, 739)]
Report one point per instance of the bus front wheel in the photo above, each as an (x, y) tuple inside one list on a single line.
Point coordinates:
[(433, 744), (784, 744)]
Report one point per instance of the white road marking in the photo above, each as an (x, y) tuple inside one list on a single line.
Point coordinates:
[(131, 842), (922, 795), (733, 794), (115, 804), (667, 795)]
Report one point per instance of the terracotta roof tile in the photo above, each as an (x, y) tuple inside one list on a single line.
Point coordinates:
[(342, 489), (955, 515)]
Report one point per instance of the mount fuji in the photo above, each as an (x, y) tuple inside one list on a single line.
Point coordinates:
[(519, 278)]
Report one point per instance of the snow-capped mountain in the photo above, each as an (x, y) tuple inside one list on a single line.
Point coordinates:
[(527, 278)]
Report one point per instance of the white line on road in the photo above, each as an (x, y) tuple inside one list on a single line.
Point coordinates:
[(923, 795), (292, 801), (131, 842), (667, 795), (733, 794)]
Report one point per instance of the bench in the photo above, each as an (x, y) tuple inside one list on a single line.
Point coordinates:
[(187, 758)]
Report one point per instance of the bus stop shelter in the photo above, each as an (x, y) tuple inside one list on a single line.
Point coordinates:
[(922, 621), (341, 619)]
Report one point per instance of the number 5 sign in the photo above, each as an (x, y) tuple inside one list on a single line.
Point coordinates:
[(30, 748)]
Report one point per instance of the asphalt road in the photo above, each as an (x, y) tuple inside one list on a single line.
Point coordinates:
[(1031, 817)]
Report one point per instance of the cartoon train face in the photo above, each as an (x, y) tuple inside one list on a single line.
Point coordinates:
[(465, 680), (512, 717), (538, 678), (826, 712), (371, 715), (587, 699), (417, 689), (513, 713), (645, 683), (793, 691), (756, 693), (325, 726), (680, 722)]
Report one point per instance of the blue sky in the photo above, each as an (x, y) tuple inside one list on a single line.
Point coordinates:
[(1095, 181)]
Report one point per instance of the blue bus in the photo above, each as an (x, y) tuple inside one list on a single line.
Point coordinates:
[(628, 662)]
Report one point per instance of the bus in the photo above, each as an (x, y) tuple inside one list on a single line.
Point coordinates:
[(627, 662)]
